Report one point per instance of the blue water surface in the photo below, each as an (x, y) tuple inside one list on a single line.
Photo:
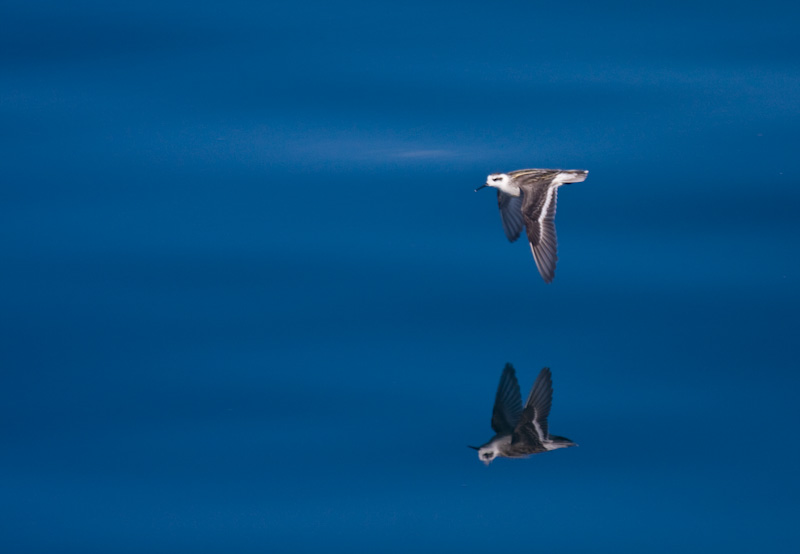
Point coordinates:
[(250, 302)]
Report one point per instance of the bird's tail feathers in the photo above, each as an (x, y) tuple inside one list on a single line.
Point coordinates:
[(559, 442), (572, 176)]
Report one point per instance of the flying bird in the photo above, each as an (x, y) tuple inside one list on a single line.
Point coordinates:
[(521, 431), (528, 197)]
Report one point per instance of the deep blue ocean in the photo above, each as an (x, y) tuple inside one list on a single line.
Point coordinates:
[(251, 304)]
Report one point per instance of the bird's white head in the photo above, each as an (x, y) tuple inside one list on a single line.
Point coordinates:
[(487, 453), (503, 182)]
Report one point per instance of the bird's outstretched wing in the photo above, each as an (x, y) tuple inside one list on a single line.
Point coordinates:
[(532, 426), (540, 188), (510, 214), (507, 403), (539, 213)]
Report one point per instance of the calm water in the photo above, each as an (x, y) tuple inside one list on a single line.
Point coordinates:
[(251, 303)]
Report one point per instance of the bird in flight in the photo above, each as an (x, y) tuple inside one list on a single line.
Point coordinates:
[(521, 431), (528, 197)]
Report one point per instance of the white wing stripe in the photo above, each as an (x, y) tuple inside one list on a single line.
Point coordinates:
[(539, 432), (546, 205)]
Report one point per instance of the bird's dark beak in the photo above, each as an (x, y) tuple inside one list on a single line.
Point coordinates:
[(483, 186), (474, 447)]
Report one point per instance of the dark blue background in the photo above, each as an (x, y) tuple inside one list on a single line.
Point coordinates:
[(251, 303)]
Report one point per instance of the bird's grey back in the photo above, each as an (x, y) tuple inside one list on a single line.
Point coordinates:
[(533, 177)]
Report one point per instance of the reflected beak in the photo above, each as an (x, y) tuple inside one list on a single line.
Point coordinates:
[(474, 447)]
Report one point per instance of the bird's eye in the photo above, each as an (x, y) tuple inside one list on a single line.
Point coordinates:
[(487, 455)]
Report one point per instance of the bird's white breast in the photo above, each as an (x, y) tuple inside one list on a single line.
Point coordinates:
[(508, 188)]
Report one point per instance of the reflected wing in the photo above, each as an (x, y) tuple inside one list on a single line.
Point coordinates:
[(539, 212), (532, 427), (507, 403), (511, 214)]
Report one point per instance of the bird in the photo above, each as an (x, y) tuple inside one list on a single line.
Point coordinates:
[(528, 197), (520, 431)]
